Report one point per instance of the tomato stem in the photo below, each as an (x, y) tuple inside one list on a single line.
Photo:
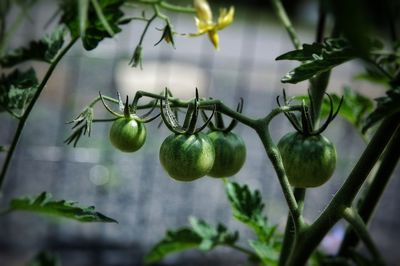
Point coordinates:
[(357, 223), (289, 235), (280, 11), (275, 157), (373, 193), (28, 110)]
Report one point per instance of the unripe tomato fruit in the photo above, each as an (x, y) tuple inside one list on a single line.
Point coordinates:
[(230, 153), (127, 134), (309, 161), (187, 157)]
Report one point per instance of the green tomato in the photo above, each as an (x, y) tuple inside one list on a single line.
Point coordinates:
[(127, 135), (230, 153), (187, 157), (309, 161)]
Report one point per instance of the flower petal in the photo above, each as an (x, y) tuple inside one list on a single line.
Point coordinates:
[(225, 17), (203, 10), (213, 35)]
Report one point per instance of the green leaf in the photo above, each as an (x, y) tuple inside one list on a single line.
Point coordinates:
[(174, 241), (212, 236), (44, 50), (45, 258), (266, 253), (101, 20), (3, 149), (373, 76), (44, 204), (17, 89), (201, 236), (386, 106), (317, 58), (247, 207)]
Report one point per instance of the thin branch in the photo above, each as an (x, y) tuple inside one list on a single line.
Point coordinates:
[(283, 17), (28, 110), (355, 220)]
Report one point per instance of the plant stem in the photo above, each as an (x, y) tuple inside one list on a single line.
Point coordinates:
[(319, 84), (289, 236), (275, 157), (168, 6), (368, 203), (176, 8), (319, 37), (28, 110), (357, 223), (204, 104), (242, 249), (308, 240), (283, 17), (146, 28)]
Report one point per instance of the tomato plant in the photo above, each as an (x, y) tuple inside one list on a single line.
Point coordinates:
[(230, 153), (309, 161), (127, 134), (187, 157), (303, 159)]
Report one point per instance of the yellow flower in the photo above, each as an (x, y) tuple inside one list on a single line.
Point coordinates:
[(205, 23)]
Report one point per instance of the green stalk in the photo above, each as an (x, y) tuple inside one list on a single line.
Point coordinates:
[(289, 235), (176, 8), (318, 86), (368, 203), (279, 10), (242, 249), (168, 6), (28, 110), (275, 157), (357, 223), (309, 239)]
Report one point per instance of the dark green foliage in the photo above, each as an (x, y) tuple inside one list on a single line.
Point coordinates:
[(90, 24), (174, 241), (247, 207), (212, 236), (386, 106), (44, 50), (317, 58), (353, 22), (268, 254), (44, 204), (45, 258), (17, 89), (201, 236)]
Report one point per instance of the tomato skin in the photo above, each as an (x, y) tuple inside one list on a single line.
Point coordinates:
[(127, 135), (309, 161), (230, 153), (187, 157)]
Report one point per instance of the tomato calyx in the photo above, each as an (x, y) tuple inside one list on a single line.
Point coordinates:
[(129, 111), (189, 124), (219, 121), (305, 124)]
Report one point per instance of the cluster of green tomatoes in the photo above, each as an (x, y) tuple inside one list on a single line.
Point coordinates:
[(187, 154), (309, 159)]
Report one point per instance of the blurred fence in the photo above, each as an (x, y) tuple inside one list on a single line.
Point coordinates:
[(133, 188)]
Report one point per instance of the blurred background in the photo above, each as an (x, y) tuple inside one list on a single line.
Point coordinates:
[(133, 188)]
